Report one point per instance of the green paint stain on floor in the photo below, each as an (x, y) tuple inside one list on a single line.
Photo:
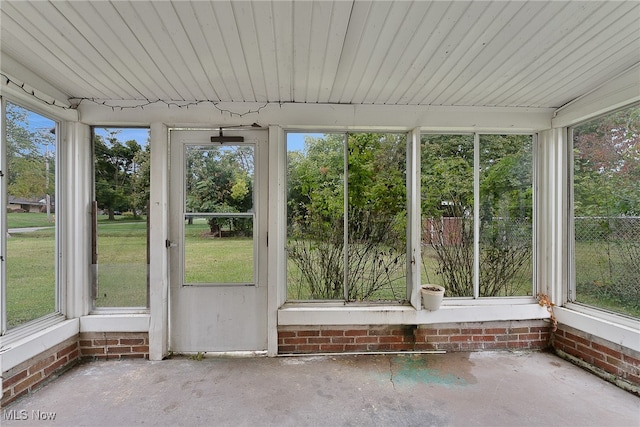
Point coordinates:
[(414, 370)]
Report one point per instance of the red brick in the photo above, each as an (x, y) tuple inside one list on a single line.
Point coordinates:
[(93, 350), (296, 340), (342, 340), (131, 341), (86, 343), (318, 340), (8, 382), (103, 342), (308, 333), (565, 342), (380, 332), (632, 378), (362, 340), (631, 360), (355, 347), (529, 337), (496, 331), (14, 397), (390, 339), (28, 382), (286, 334), (426, 331), (577, 339), (587, 351), (332, 347), (140, 349), (449, 331), (65, 351), (471, 331), (460, 338), (613, 361), (607, 367), (308, 347), (57, 365), (355, 332), (507, 337), (521, 330), (119, 350), (436, 338), (483, 338), (539, 329), (426, 346), (286, 348), (134, 356), (41, 364), (332, 333)]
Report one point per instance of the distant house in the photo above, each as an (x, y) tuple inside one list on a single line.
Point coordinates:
[(31, 205)]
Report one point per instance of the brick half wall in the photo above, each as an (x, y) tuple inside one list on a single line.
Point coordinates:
[(473, 336), (113, 345), (613, 362), (35, 372)]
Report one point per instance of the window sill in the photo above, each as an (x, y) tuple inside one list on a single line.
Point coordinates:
[(311, 314), (115, 322), (14, 350), (616, 329)]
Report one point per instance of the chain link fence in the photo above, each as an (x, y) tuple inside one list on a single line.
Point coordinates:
[(607, 263)]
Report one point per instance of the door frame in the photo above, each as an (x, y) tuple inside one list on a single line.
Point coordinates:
[(260, 141)]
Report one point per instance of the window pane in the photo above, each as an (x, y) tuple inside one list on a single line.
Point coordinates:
[(315, 216), (447, 212), (122, 168), (607, 212), (377, 217), (219, 221), (31, 244), (506, 210), (374, 249)]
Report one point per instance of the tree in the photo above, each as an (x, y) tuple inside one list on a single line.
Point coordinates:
[(31, 168), (220, 180), (114, 171), (376, 216)]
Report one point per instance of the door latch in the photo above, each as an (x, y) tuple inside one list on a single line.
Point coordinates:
[(169, 244)]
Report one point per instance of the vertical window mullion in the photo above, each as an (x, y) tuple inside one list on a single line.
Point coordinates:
[(3, 216), (476, 215), (346, 218)]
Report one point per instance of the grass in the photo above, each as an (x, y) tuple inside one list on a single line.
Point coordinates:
[(122, 267)]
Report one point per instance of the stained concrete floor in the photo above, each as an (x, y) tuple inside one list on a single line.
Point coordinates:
[(455, 389)]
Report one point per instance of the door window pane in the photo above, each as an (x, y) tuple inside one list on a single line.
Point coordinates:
[(219, 215)]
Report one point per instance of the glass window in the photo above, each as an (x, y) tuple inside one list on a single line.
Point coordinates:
[(606, 204), (447, 213), (30, 152), (347, 215), (121, 179), (500, 212)]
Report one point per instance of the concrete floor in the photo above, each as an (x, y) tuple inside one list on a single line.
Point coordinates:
[(457, 389)]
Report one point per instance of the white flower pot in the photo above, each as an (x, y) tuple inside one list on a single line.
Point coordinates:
[(432, 296)]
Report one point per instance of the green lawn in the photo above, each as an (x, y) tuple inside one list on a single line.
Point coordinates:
[(122, 268)]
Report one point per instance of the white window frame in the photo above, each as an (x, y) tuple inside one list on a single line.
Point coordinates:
[(413, 170), (125, 310), (58, 315), (570, 289)]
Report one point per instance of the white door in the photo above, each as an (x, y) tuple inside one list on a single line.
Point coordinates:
[(218, 201)]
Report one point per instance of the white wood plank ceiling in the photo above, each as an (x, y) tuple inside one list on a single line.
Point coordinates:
[(457, 53)]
